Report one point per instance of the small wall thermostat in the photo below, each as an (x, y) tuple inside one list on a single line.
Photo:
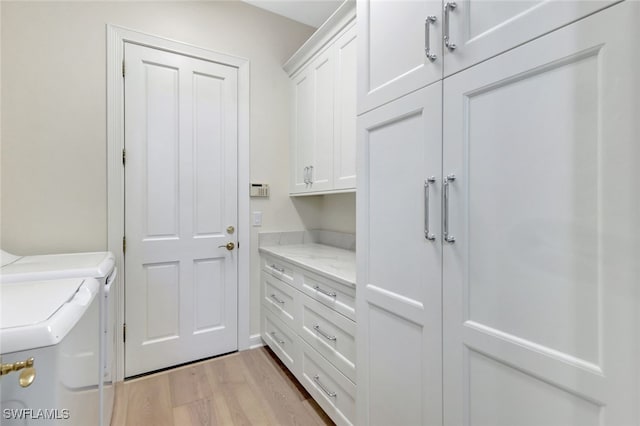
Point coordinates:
[(259, 190)]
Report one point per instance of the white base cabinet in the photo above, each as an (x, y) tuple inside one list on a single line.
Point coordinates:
[(302, 322), (523, 307)]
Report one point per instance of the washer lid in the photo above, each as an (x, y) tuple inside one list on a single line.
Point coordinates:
[(54, 266), (41, 313), (7, 258)]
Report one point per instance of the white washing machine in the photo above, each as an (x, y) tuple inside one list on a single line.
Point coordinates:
[(99, 265), (56, 326)]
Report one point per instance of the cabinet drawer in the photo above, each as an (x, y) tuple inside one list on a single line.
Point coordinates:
[(331, 334), (280, 299), (328, 387), (279, 269), (338, 297), (282, 340)]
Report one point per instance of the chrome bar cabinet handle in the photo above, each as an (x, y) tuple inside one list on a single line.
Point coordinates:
[(445, 232), (323, 334), (310, 174), (325, 292), (306, 174), (274, 297), (330, 394), (427, 183), (448, 7), (273, 333), (431, 19)]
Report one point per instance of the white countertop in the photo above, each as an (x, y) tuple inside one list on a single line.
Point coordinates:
[(334, 263)]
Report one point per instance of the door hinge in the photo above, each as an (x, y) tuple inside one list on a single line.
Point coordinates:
[(124, 332), (124, 245), (124, 156), (122, 69)]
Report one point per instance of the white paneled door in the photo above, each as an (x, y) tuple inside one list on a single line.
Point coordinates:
[(181, 197), (540, 287)]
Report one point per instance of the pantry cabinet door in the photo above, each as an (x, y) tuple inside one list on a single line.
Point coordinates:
[(302, 135), (481, 29), (322, 70), (540, 287), (398, 310), (392, 44), (344, 155)]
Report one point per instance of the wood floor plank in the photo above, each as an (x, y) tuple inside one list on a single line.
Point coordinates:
[(229, 378), (281, 390), (189, 384), (245, 388), (120, 404), (196, 413), (150, 402)]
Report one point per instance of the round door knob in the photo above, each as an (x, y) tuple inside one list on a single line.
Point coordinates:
[(229, 246)]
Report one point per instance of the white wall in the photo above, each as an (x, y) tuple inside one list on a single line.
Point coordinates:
[(53, 124), (338, 213)]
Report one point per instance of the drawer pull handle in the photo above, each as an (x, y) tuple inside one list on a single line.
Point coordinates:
[(273, 333), (277, 268), (323, 334), (330, 394), (325, 292), (274, 297)]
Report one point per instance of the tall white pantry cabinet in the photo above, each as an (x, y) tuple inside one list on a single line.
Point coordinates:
[(498, 213)]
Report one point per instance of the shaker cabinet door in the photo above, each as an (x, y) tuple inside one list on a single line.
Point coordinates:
[(398, 308), (392, 49), (481, 29), (540, 286), (302, 135)]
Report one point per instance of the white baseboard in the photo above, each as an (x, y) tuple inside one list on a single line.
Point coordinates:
[(255, 341)]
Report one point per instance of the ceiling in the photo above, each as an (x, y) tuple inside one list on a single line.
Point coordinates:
[(310, 12)]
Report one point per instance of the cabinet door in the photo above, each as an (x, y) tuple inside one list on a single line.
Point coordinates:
[(541, 283), (344, 143), (399, 371), (480, 29), (302, 132), (392, 49), (323, 73)]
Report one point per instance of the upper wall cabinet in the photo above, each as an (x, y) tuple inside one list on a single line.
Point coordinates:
[(406, 45), (323, 120), (399, 49), (475, 30)]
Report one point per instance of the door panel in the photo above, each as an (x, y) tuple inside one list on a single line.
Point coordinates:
[(399, 291), (181, 194), (540, 284), (302, 131), (481, 29), (344, 158), (323, 69), (391, 49)]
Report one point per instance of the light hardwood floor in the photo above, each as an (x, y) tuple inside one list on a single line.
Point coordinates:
[(245, 388)]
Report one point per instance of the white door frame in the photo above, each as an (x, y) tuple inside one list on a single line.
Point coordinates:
[(116, 37)]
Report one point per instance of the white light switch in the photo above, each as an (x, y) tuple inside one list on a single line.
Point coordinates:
[(257, 218)]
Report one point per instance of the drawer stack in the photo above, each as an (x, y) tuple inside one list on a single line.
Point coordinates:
[(308, 321)]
